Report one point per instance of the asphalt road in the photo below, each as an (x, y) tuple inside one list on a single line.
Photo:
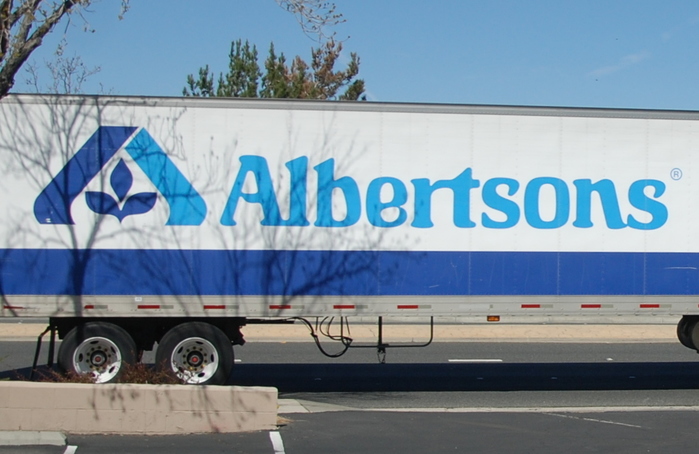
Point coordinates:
[(393, 433), (463, 397), (446, 367)]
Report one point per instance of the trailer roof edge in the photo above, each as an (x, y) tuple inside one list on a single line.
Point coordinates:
[(352, 106)]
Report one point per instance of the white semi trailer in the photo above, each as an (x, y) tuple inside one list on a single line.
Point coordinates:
[(133, 221)]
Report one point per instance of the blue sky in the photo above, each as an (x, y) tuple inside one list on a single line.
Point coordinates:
[(587, 53)]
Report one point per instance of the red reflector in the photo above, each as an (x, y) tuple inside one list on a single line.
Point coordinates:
[(650, 306), (343, 306), (214, 306), (280, 307), (89, 306), (531, 306), (148, 306), (409, 306), (13, 307), (591, 306)]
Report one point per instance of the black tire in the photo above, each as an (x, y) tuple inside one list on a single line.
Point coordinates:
[(691, 332), (684, 331), (199, 353), (99, 348)]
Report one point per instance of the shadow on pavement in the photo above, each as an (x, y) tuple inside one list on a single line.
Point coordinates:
[(452, 377), (468, 377)]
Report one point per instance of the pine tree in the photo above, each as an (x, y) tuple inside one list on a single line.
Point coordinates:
[(245, 79)]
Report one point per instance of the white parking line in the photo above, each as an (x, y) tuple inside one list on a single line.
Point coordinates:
[(70, 449), (475, 360), (602, 421), (277, 442), (547, 410)]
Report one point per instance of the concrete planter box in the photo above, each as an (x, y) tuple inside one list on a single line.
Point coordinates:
[(135, 409)]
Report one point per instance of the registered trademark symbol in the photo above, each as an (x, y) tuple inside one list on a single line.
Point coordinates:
[(676, 174)]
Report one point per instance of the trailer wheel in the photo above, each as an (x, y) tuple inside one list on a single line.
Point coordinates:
[(684, 331), (198, 353), (97, 348)]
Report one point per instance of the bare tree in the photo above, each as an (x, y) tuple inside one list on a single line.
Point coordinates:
[(23, 26), (25, 23), (313, 15), (67, 74)]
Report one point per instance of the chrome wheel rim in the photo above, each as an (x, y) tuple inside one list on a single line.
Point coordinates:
[(99, 357), (195, 360)]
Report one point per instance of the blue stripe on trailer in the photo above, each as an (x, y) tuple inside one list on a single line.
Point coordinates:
[(363, 273)]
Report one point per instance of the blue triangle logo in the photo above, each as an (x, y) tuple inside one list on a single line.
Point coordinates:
[(187, 207)]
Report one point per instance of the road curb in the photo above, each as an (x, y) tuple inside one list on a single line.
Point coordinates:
[(31, 438), (296, 406), (134, 409)]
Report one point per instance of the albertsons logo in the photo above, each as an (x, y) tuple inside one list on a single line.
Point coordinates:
[(186, 205)]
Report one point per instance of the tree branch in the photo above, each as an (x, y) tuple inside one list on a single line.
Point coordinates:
[(313, 15), (24, 44), (5, 26)]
